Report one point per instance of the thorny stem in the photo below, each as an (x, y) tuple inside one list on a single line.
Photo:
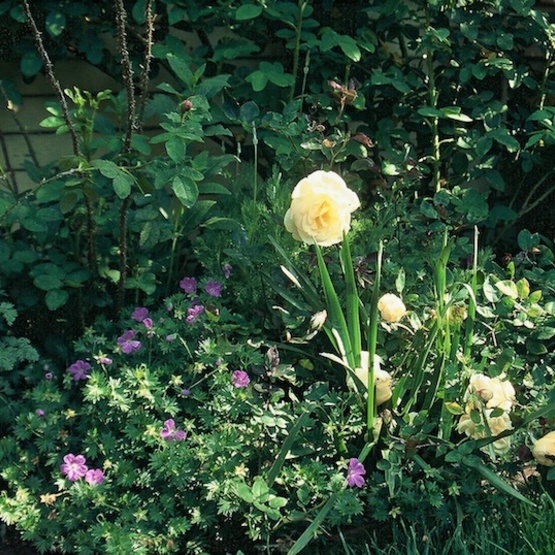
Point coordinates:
[(11, 185), (22, 130), (148, 57), (296, 51), (50, 73), (121, 18)]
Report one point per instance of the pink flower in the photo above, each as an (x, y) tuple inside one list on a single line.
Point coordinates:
[(213, 288), (94, 476), (240, 378), (127, 343), (227, 270), (79, 370), (140, 313), (74, 467), (39, 412), (193, 313), (170, 433), (355, 473), (188, 284)]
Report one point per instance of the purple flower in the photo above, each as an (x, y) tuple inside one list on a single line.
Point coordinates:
[(170, 433), (148, 323), (170, 338), (127, 343), (213, 288), (74, 467), (94, 476), (39, 412), (140, 313), (240, 378), (355, 473), (193, 313), (48, 376), (79, 370), (188, 284), (103, 359), (227, 270), (185, 392)]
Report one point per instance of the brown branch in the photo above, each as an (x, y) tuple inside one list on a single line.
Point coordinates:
[(127, 72), (145, 73), (50, 73)]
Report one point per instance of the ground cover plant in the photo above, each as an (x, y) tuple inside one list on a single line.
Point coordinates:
[(303, 312)]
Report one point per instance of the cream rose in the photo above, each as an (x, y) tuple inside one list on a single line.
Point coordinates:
[(382, 379), (496, 424), (321, 208), (496, 393), (544, 449), (391, 307)]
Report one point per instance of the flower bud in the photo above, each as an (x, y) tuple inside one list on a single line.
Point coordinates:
[(544, 449), (186, 106), (391, 308)]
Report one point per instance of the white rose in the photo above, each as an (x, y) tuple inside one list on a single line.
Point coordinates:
[(321, 208), (391, 307), (544, 449), (382, 379), (494, 392), (496, 425)]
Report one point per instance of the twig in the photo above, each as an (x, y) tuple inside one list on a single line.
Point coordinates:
[(145, 73), (121, 19), (127, 70), (22, 130), (12, 187), (50, 73)]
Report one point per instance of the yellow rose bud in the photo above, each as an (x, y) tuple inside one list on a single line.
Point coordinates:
[(496, 393), (382, 379), (391, 307), (544, 449), (321, 208)]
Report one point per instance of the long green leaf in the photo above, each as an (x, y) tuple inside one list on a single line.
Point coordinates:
[(285, 448), (337, 318), (352, 300), (496, 480), (307, 536)]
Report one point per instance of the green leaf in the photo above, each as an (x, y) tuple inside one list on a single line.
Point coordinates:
[(56, 298), (244, 492), (55, 23), (349, 47), (248, 11), (122, 184), (258, 80), (508, 288), (249, 112), (30, 64), (527, 241), (185, 190), (47, 282)]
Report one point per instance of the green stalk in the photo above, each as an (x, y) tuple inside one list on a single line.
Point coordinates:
[(372, 340), (337, 318), (471, 318), (353, 310), (297, 49)]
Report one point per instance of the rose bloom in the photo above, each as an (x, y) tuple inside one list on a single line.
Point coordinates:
[(496, 425), (494, 392), (544, 449), (321, 208), (382, 382), (391, 308)]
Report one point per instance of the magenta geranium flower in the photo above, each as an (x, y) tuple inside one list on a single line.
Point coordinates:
[(94, 476), (127, 343), (170, 433), (355, 473), (227, 270), (193, 313), (213, 288), (79, 370), (74, 467), (188, 284), (240, 378), (140, 313)]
